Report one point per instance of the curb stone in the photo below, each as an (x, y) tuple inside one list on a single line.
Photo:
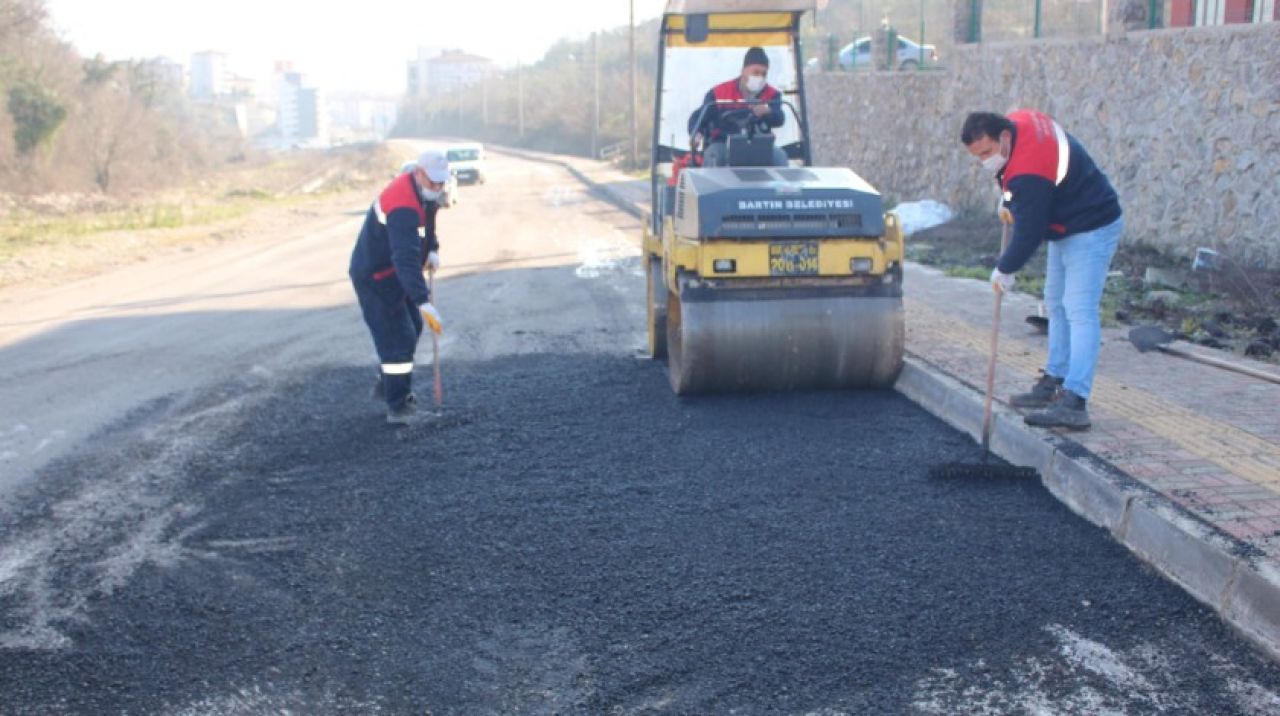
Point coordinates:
[(1215, 568)]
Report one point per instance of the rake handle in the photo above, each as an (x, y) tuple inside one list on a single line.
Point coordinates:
[(987, 407), (438, 387), (1225, 365)]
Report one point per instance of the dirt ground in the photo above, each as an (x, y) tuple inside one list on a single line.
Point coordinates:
[(1232, 308), (51, 239)]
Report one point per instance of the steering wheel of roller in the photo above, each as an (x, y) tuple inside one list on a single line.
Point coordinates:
[(746, 121)]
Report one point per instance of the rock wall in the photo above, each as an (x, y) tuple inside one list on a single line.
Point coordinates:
[(1185, 122)]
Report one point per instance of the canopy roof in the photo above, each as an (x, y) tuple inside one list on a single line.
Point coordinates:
[(694, 7)]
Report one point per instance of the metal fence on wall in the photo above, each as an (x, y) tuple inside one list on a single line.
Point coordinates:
[(1018, 19), (919, 34), (919, 30)]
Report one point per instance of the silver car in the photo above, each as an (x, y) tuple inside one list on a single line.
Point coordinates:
[(857, 54)]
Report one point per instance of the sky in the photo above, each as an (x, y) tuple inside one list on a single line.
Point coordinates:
[(339, 47)]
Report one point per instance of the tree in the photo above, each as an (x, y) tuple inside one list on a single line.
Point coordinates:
[(20, 17), (37, 115)]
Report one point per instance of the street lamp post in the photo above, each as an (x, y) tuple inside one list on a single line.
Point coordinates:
[(635, 131), (595, 95), (520, 96)]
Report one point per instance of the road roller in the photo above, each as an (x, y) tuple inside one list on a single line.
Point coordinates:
[(761, 276)]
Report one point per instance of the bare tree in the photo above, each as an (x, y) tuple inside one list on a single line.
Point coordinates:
[(20, 17)]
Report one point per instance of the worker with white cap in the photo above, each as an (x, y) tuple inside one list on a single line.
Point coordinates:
[(397, 242)]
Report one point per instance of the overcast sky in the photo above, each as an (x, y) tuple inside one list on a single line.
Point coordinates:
[(356, 46)]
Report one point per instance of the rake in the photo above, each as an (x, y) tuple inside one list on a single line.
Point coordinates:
[(987, 468)]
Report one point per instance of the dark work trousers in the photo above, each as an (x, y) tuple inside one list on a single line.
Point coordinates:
[(395, 325)]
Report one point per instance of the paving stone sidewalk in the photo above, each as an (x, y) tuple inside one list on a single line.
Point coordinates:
[(1206, 438)]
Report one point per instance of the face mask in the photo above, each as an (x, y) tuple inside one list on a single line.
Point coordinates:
[(994, 163), (429, 194), (755, 83)]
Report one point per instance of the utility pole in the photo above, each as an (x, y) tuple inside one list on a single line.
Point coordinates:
[(520, 96), (595, 90), (635, 131)]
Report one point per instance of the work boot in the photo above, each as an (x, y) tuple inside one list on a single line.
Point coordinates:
[(1068, 411), (404, 414), (378, 393), (1041, 395)]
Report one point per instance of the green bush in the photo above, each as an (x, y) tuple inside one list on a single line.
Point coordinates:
[(36, 113)]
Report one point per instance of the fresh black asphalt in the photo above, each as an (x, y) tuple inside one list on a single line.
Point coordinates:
[(569, 537)]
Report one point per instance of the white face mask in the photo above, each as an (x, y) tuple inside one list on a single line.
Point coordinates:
[(755, 83), (429, 194), (994, 163)]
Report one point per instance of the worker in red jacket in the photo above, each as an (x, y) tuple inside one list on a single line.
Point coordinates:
[(1053, 193), (728, 105), (397, 242)]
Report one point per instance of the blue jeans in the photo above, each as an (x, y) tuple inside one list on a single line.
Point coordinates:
[(1073, 284)]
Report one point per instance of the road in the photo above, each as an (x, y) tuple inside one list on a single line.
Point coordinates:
[(203, 512)]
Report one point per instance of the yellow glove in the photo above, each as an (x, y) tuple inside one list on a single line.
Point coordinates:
[(1006, 216), (432, 317)]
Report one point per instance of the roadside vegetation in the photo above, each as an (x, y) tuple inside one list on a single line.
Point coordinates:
[(104, 161), (1222, 305)]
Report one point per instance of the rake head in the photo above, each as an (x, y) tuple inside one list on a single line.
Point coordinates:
[(982, 471)]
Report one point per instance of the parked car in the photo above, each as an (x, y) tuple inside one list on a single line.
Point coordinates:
[(467, 163), (857, 54), (449, 196)]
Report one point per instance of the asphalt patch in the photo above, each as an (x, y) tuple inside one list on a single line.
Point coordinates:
[(569, 537)]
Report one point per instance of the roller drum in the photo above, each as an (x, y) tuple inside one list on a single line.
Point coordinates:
[(722, 343)]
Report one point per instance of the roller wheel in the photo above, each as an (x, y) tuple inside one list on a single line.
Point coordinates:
[(677, 368), (656, 302)]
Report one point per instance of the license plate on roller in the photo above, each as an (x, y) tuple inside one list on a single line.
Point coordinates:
[(793, 258)]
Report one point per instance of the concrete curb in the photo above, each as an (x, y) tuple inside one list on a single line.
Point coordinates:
[(1217, 569), (1214, 567)]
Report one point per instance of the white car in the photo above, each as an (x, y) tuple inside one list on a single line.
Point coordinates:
[(857, 54), (466, 161), (449, 196)]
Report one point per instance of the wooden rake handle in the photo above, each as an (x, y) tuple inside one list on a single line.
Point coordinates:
[(995, 351), (438, 386)]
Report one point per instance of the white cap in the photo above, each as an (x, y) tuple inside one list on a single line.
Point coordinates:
[(435, 164)]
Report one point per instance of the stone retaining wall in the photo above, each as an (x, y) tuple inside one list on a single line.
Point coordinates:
[(1185, 122)]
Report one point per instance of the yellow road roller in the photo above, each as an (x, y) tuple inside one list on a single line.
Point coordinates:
[(762, 274)]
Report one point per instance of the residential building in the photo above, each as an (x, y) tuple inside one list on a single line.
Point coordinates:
[(210, 76), (361, 116), (1188, 13), (435, 72), (455, 69), (300, 114), (416, 77)]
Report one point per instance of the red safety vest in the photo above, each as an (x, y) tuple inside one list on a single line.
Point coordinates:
[(729, 97)]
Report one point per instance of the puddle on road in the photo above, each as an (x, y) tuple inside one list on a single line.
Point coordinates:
[(607, 259)]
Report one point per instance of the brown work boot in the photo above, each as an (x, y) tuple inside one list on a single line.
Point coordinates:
[(1041, 394), (1068, 411)]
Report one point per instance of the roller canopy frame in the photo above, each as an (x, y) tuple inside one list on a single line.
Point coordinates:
[(712, 7)]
